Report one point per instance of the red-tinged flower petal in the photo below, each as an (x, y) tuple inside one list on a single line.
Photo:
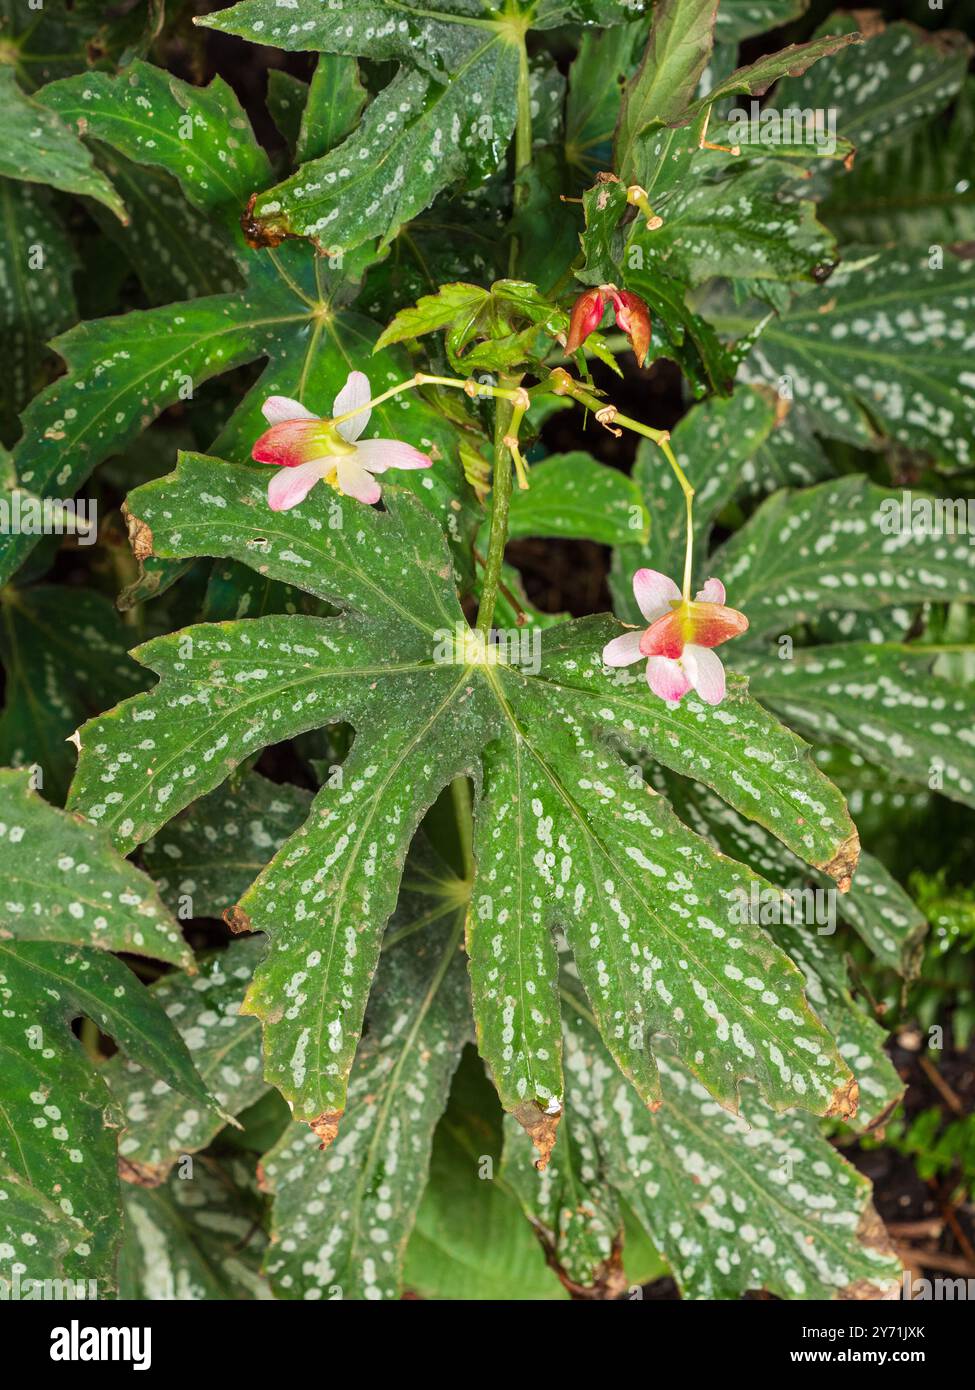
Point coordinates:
[(278, 408), (587, 314), (666, 678), (654, 593), (623, 651), (633, 317), (355, 482), (379, 454), (710, 624), (292, 485), (666, 636), (705, 672), (292, 442), (353, 394), (713, 592)]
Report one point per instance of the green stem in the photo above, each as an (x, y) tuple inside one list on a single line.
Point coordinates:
[(523, 144), (500, 504), (460, 795)]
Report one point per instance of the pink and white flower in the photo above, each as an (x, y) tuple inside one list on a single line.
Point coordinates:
[(678, 643), (309, 449)]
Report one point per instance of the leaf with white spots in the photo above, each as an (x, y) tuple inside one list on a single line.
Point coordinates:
[(882, 702), (341, 1219), (199, 135), (34, 304), (39, 147), (199, 1237), (713, 443), (875, 905), (63, 881), (400, 665), (162, 1124), (883, 350), (841, 545), (64, 654), (736, 1202), (899, 77), (58, 1118), (207, 858)]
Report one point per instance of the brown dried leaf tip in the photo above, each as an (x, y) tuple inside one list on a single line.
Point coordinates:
[(846, 1100), (140, 1174), (843, 864), (140, 536), (237, 919), (326, 1126), (541, 1126), (258, 234)]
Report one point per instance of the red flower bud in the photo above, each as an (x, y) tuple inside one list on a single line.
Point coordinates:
[(587, 314), (633, 317)]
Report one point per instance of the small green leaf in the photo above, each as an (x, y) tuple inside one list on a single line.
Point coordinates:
[(336, 98)]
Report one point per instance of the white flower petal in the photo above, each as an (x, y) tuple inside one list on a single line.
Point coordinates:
[(706, 672), (713, 592), (667, 678), (277, 409), (355, 482), (289, 486), (653, 592), (354, 393), (379, 454), (623, 651)]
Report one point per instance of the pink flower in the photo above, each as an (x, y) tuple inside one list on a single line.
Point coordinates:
[(678, 642), (308, 449)]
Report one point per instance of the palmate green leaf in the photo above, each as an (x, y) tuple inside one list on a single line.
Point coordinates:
[(883, 702), (741, 226), (712, 442), (899, 78), (56, 1128), (423, 719), (39, 147), (63, 881), (831, 546), (206, 859), (790, 457), (198, 1237), (64, 653), (342, 1219), (881, 351), (735, 1202), (161, 1123), (37, 265)]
